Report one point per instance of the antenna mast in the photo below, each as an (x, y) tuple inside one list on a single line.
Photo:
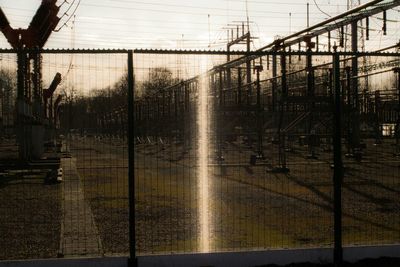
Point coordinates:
[(247, 16), (209, 32)]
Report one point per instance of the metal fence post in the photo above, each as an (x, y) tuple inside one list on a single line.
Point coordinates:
[(397, 128), (132, 261), (338, 164), (22, 127)]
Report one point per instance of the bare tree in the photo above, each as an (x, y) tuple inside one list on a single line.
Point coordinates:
[(159, 79), (7, 99)]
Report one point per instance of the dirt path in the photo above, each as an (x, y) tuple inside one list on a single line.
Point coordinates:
[(79, 235)]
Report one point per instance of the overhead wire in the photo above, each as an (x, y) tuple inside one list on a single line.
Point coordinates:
[(131, 40), (207, 8), (169, 11), (68, 9), (317, 6), (72, 45), (278, 3), (72, 15), (119, 23)]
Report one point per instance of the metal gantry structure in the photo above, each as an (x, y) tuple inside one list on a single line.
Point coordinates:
[(274, 101), (36, 108), (289, 91), (290, 95)]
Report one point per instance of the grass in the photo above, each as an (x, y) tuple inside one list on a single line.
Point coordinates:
[(251, 208)]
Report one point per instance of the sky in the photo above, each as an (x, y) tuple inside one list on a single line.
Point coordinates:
[(189, 24), (172, 24)]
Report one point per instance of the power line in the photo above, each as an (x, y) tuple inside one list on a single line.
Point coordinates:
[(68, 9), (323, 12), (278, 3), (196, 7), (82, 20), (72, 15), (131, 40), (173, 11)]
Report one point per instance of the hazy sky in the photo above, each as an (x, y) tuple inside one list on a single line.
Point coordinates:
[(177, 23)]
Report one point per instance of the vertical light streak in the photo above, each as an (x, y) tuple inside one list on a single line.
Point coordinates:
[(203, 179)]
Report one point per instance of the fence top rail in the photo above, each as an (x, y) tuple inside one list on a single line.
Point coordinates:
[(197, 52)]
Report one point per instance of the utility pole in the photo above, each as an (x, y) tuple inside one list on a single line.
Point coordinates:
[(354, 85), (274, 81), (260, 115), (243, 38), (209, 32), (248, 66)]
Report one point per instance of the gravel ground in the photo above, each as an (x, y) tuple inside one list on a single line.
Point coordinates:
[(104, 177), (30, 218), (250, 208)]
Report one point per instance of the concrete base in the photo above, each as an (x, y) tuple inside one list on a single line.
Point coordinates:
[(229, 259)]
